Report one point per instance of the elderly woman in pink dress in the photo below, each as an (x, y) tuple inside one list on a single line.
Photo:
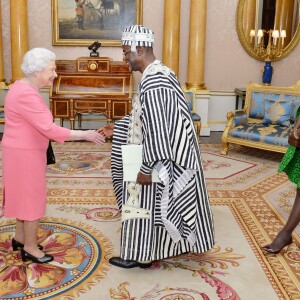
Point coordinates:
[(28, 128)]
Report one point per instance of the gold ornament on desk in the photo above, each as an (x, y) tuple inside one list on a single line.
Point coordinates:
[(267, 50)]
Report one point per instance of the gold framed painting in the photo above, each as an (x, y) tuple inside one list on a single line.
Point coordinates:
[(82, 22)]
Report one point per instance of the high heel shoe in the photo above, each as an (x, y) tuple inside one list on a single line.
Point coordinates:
[(270, 250), (16, 245), (39, 260)]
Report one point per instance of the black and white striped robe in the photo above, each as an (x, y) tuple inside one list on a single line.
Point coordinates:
[(180, 216)]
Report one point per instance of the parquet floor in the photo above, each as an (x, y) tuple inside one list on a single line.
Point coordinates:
[(214, 138)]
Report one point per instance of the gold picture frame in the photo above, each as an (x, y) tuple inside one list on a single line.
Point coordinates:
[(82, 22)]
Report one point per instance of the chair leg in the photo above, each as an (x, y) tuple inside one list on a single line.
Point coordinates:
[(197, 125), (224, 151), (199, 131), (79, 120)]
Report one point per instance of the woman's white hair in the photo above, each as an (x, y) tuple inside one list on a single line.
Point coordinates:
[(36, 60)]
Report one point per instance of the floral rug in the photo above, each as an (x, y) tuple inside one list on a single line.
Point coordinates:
[(250, 203)]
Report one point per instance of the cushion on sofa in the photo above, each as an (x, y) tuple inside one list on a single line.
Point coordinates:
[(277, 112), (240, 118), (257, 108), (275, 135), (295, 106)]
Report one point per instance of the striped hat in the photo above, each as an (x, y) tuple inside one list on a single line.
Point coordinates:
[(137, 35)]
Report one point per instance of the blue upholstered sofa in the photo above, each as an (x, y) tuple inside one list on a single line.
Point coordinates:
[(266, 120)]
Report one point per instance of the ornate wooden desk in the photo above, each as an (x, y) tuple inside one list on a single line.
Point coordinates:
[(91, 85)]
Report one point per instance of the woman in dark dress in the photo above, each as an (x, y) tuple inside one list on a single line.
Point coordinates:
[(290, 164)]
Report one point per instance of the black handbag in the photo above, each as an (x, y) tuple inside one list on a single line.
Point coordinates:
[(50, 155)]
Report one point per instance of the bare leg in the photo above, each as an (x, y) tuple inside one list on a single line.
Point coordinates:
[(19, 233), (30, 241), (285, 235)]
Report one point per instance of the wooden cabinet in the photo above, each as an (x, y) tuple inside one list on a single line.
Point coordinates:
[(91, 85), (240, 93)]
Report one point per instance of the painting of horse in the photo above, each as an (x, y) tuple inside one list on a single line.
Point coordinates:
[(80, 22)]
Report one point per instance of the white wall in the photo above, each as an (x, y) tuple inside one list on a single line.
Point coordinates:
[(227, 65)]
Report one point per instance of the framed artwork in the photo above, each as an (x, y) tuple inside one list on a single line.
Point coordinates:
[(82, 22)]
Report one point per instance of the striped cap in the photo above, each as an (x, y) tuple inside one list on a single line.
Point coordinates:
[(137, 35)]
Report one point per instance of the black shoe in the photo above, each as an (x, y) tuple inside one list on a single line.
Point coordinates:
[(128, 264), (16, 245), (45, 259)]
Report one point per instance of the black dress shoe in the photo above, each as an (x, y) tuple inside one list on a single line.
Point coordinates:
[(128, 264), (39, 260), (16, 245)]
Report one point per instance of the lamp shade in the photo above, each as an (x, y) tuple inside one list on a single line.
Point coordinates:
[(283, 33), (275, 34), (260, 33)]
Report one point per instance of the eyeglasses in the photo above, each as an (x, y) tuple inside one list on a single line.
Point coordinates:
[(124, 53)]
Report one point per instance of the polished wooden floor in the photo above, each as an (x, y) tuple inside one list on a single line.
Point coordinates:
[(214, 138)]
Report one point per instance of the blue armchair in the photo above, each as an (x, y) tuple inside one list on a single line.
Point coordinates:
[(266, 120)]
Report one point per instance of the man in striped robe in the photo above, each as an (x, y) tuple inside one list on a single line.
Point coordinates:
[(173, 216)]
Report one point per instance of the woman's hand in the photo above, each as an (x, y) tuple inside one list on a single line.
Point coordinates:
[(86, 135), (107, 130), (94, 137)]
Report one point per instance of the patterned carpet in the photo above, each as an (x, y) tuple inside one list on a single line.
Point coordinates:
[(250, 202)]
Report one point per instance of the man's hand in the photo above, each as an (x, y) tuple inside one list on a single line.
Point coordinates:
[(144, 179), (107, 130)]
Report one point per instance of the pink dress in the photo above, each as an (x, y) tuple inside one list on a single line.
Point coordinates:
[(28, 128)]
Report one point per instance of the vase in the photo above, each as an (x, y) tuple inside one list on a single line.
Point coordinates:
[(267, 73)]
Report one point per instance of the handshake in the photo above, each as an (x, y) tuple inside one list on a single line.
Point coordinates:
[(95, 136), (107, 130), (87, 135)]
